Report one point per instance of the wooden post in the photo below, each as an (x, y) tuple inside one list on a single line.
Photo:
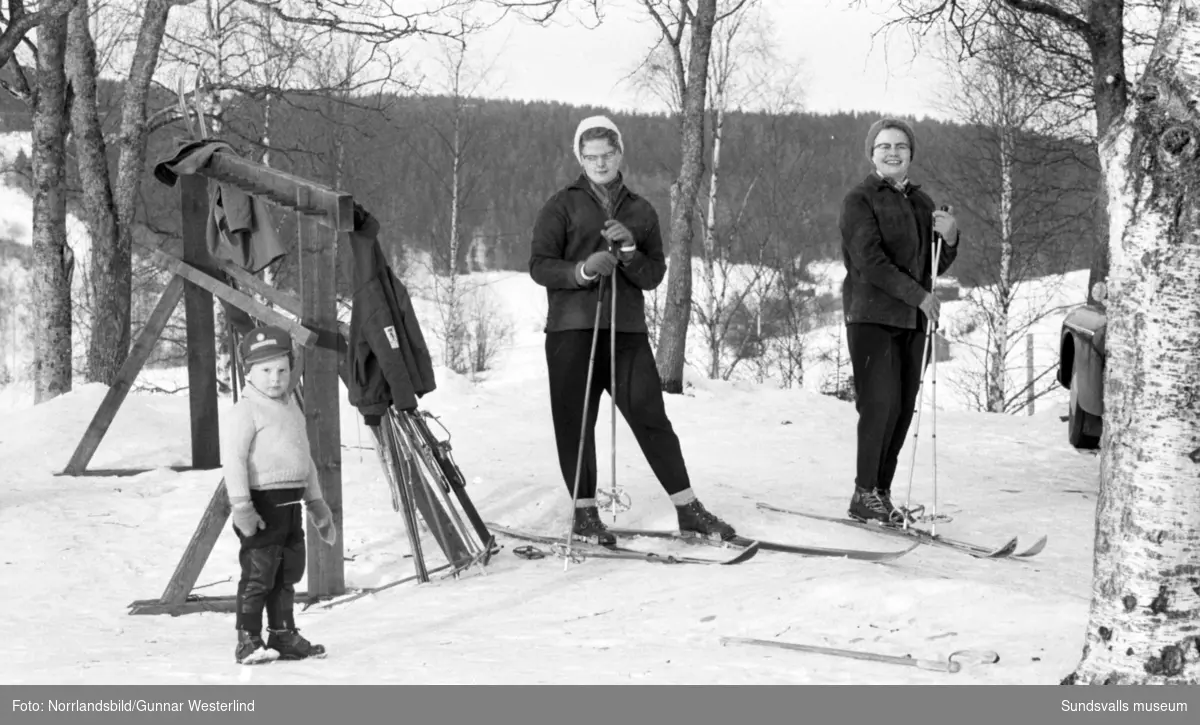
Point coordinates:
[(138, 355), (1029, 396), (201, 332), (198, 549), (318, 289)]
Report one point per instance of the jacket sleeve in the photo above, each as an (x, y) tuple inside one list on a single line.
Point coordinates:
[(648, 265), (547, 264), (237, 434), (862, 241)]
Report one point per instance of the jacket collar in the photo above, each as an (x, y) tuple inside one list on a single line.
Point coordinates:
[(880, 181), (582, 183)]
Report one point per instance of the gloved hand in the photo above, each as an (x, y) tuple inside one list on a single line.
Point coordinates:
[(322, 518), (932, 307), (601, 263), (246, 519), (621, 239), (945, 224)]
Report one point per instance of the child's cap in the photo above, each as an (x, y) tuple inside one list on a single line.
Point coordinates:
[(265, 343)]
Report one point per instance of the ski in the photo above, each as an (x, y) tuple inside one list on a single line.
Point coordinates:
[(1033, 550), (980, 552), (597, 551), (739, 542)]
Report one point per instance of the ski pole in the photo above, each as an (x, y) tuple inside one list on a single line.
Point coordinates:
[(928, 350), (950, 665), (587, 393), (934, 263), (612, 388)]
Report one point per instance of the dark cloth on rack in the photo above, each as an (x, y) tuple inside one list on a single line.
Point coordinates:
[(390, 362), (240, 226)]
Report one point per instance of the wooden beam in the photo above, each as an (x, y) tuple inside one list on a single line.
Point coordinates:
[(241, 300), (282, 299), (201, 331), (322, 398), (138, 354), (191, 606), (195, 605), (195, 556), (330, 208)]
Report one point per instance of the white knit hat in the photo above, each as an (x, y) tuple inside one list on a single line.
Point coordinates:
[(596, 122)]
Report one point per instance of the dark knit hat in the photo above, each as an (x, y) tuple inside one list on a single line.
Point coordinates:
[(891, 123), (265, 343)]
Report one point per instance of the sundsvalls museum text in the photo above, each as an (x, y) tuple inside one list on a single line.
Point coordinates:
[(132, 706), (1122, 706)]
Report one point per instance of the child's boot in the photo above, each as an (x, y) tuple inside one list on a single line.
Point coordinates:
[(291, 646), (251, 650)]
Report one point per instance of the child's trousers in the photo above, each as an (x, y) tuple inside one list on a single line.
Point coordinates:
[(273, 560)]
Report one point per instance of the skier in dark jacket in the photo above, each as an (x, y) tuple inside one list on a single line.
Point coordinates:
[(887, 226), (590, 235)]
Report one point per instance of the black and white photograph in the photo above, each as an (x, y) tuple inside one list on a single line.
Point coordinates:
[(711, 343)]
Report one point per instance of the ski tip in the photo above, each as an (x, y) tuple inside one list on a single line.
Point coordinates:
[(1033, 550), (746, 553), (1004, 551)]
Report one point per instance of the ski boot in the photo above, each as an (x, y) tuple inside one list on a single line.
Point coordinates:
[(896, 514), (291, 646), (695, 520), (251, 650), (868, 505), (589, 528)]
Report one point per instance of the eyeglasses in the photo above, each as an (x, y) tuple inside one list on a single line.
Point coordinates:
[(593, 160), (886, 147)]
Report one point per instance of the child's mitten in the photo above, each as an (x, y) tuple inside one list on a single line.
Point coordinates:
[(246, 519), (322, 518)]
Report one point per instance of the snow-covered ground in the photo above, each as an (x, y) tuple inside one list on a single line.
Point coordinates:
[(79, 550)]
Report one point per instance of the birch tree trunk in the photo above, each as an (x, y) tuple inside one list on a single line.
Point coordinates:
[(672, 338), (716, 302), (1142, 627), (998, 371), (109, 261), (53, 260)]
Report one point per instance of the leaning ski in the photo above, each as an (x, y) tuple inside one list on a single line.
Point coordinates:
[(978, 551), (1033, 550), (740, 542), (597, 551)]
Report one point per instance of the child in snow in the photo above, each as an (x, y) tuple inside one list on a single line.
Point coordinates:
[(888, 227), (589, 236), (268, 471)]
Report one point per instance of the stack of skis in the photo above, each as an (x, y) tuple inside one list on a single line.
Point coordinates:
[(425, 480)]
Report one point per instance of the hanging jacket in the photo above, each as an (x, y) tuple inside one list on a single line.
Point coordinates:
[(389, 360), (240, 227)]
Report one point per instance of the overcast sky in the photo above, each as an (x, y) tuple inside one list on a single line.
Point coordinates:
[(842, 67)]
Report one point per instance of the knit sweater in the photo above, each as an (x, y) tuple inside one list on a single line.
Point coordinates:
[(264, 445)]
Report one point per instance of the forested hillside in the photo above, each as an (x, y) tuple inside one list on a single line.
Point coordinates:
[(781, 176)]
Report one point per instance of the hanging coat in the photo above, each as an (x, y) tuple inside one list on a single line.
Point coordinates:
[(389, 360), (240, 227)]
